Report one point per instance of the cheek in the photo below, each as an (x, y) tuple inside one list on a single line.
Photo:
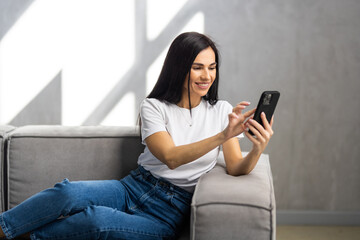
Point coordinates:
[(213, 75), (186, 81), (193, 75), (185, 84)]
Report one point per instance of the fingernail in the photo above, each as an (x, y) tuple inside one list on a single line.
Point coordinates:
[(262, 113)]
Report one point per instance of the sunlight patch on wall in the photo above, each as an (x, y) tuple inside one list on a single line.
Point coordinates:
[(30, 56), (196, 24), (159, 14), (154, 70), (123, 114), (100, 52), (91, 42)]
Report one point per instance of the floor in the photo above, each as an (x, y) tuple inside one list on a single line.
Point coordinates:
[(284, 232)]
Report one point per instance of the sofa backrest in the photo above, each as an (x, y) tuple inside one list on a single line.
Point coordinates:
[(40, 156)]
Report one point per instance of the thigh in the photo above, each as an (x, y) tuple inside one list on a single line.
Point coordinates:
[(80, 194), (157, 199), (65, 198), (98, 222)]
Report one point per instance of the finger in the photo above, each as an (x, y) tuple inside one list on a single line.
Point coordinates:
[(249, 113), (257, 133), (267, 126), (238, 109), (233, 116), (252, 117), (241, 106), (272, 121), (265, 121), (251, 138), (266, 134), (246, 103), (235, 119), (257, 125)]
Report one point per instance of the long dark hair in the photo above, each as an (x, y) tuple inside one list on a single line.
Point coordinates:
[(177, 66)]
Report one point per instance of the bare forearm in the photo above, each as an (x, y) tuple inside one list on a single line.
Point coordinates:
[(260, 140), (246, 164), (183, 154)]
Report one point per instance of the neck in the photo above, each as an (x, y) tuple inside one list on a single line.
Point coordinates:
[(184, 102)]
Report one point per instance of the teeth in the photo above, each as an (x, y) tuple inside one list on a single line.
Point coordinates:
[(203, 85)]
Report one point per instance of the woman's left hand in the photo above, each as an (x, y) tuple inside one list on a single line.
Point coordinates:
[(262, 134)]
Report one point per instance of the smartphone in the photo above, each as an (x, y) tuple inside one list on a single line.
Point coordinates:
[(267, 104)]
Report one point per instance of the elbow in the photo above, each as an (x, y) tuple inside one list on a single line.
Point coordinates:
[(247, 172), (239, 173), (170, 163)]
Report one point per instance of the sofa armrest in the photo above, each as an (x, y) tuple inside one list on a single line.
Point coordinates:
[(228, 207), (4, 131)]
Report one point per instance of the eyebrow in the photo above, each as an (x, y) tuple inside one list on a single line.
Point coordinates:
[(200, 64)]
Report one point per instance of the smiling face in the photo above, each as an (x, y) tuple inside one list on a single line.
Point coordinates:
[(202, 76)]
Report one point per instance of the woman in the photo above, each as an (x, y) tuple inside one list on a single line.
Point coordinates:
[(182, 126)]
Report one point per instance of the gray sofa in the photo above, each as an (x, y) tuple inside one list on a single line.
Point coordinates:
[(223, 207)]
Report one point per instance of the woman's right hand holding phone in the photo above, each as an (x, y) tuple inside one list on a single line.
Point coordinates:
[(262, 134)]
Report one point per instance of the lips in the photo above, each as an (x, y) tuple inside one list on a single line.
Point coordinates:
[(203, 85)]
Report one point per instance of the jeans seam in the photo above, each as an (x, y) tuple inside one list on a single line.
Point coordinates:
[(29, 224), (4, 228)]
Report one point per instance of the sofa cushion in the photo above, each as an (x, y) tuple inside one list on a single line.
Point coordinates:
[(40, 156), (228, 207)]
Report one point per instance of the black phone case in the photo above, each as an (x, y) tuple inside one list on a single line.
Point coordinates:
[(267, 109)]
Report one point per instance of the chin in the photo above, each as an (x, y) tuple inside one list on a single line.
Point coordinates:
[(204, 93)]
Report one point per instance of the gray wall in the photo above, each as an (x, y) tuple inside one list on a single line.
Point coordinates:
[(309, 51)]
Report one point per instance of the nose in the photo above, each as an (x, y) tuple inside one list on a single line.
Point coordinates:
[(206, 74)]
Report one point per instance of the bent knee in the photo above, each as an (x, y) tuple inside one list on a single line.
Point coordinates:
[(65, 190)]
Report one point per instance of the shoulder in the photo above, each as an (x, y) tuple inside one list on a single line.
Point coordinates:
[(223, 103), (151, 101), (154, 103)]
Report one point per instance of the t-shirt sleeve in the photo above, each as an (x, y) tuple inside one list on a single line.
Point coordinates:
[(152, 118), (227, 109)]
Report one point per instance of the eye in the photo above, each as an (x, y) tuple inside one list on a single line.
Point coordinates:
[(197, 68)]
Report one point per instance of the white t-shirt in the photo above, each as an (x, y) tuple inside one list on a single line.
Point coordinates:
[(206, 121)]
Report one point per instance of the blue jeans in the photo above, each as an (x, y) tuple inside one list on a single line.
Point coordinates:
[(138, 206)]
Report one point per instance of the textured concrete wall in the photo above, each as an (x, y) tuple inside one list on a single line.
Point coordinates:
[(310, 52)]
